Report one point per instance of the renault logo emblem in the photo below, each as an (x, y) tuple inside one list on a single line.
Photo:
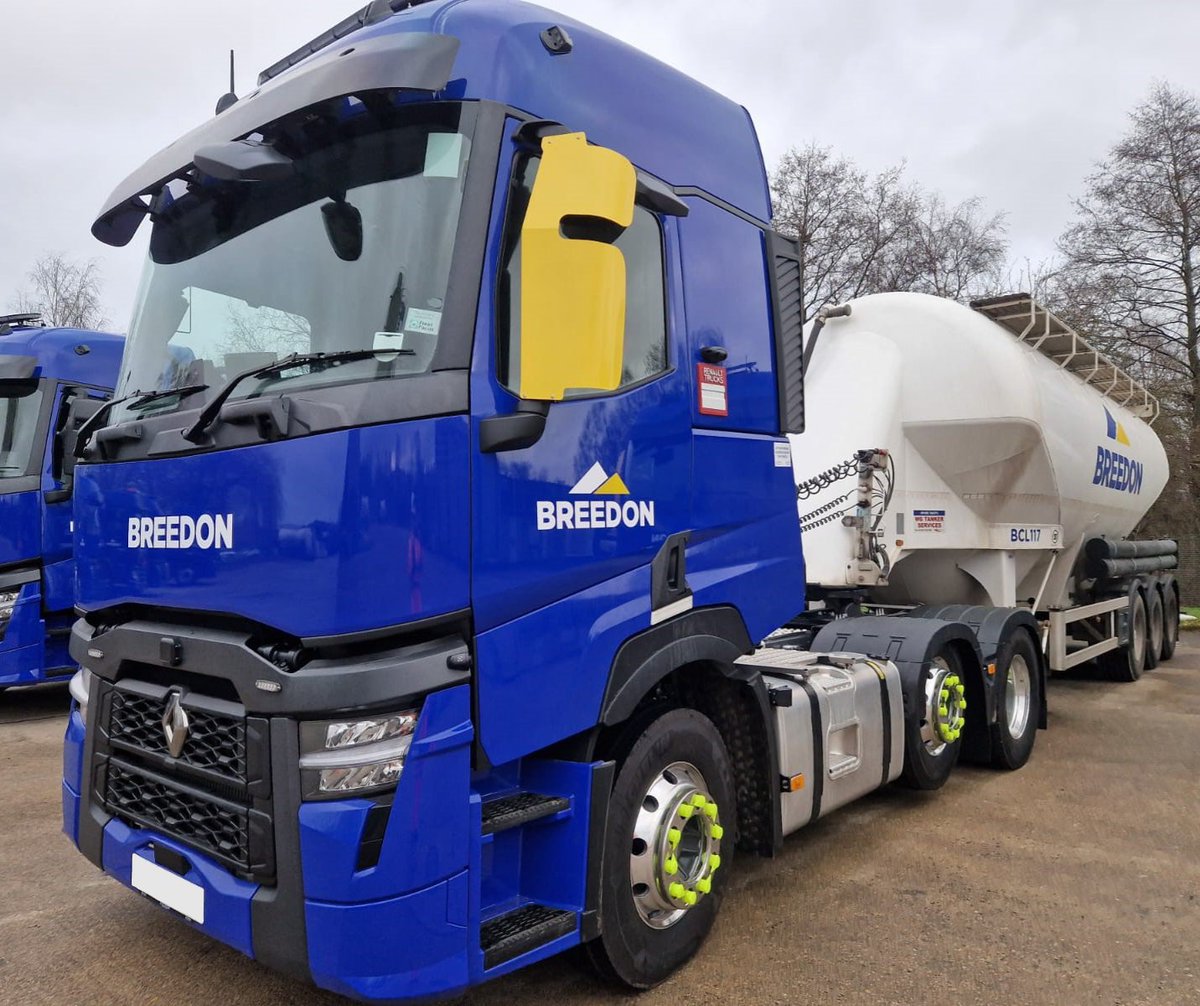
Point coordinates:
[(175, 726)]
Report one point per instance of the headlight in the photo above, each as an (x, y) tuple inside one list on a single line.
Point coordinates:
[(8, 601), (354, 757), (81, 685)]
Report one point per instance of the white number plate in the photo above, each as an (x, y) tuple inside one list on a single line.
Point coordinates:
[(169, 888)]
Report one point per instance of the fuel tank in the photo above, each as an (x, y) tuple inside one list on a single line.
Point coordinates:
[(1007, 454)]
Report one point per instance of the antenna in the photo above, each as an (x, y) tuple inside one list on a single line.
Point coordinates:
[(230, 99)]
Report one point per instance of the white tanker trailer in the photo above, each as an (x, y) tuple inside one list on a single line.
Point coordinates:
[(977, 469)]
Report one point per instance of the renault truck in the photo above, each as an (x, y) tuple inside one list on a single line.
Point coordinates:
[(444, 601)]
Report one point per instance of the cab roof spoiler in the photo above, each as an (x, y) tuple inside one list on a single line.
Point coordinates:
[(408, 61)]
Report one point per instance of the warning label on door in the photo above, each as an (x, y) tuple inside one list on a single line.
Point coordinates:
[(713, 383), (929, 520)]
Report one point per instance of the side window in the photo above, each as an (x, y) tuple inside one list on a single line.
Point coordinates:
[(645, 291)]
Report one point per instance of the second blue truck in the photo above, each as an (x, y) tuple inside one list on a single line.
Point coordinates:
[(42, 372)]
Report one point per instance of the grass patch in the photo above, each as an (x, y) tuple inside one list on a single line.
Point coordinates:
[(1190, 626)]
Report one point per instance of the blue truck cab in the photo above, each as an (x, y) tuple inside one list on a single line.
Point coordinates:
[(42, 371), (425, 551)]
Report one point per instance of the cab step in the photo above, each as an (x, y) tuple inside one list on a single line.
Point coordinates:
[(520, 808), (516, 933)]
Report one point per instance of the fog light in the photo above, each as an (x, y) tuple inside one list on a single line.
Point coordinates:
[(355, 757)]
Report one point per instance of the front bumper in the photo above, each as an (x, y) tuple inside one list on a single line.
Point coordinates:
[(395, 929)]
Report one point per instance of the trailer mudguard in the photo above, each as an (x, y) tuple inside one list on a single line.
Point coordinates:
[(908, 643)]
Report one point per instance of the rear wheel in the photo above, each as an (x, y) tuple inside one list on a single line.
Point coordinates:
[(671, 827), (933, 732), (1170, 621), (1129, 661), (1155, 627), (1015, 729)]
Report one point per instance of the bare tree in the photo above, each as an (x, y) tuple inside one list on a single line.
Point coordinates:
[(1130, 276), (266, 330), (65, 293), (861, 234)]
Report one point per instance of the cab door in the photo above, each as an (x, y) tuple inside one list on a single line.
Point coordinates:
[(566, 526)]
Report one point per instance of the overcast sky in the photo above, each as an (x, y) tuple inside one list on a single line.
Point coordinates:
[(1012, 101)]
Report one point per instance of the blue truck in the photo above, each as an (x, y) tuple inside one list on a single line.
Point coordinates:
[(441, 586), (42, 372)]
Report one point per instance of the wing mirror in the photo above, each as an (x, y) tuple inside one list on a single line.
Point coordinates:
[(572, 293)]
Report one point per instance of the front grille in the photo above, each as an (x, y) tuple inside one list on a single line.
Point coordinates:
[(215, 797), (215, 826), (216, 743)]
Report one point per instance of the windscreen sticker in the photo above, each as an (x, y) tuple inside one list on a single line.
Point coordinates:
[(929, 520), (422, 322), (443, 155), (713, 383), (783, 455)]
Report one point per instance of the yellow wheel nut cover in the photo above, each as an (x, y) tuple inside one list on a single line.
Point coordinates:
[(699, 801), (718, 832), (704, 886), (671, 866), (714, 863), (686, 811), (711, 811), (676, 891), (673, 837), (690, 898)]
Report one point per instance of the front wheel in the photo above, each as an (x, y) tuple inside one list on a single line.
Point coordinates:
[(1017, 684), (933, 731), (671, 827)]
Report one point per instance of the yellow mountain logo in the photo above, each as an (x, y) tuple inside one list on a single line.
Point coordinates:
[(597, 482)]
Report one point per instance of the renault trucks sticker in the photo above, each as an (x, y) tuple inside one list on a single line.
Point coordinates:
[(208, 531), (1113, 469), (595, 514), (713, 382)]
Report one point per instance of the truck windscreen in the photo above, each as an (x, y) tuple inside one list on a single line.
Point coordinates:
[(20, 409), (351, 251)]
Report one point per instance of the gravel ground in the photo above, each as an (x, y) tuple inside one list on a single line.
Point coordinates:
[(1076, 880)]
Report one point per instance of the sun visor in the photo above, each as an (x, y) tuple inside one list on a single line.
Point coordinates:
[(18, 368), (411, 61)]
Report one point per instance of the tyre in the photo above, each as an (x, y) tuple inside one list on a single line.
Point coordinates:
[(1170, 621), (1129, 661), (933, 731), (671, 828), (1155, 626), (1020, 696)]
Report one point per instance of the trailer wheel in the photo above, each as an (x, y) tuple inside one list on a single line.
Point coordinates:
[(932, 732), (1155, 626), (671, 825), (1170, 621), (1017, 685), (1129, 661)]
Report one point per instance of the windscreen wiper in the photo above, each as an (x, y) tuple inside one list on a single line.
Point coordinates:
[(155, 396), (96, 420), (314, 361)]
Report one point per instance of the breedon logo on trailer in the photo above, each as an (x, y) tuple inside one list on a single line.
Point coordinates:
[(594, 514), (1113, 469)]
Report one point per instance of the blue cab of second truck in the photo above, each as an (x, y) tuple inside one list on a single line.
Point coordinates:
[(378, 539), (42, 370)]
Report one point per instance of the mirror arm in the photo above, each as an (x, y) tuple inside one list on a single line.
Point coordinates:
[(659, 197), (515, 431)]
